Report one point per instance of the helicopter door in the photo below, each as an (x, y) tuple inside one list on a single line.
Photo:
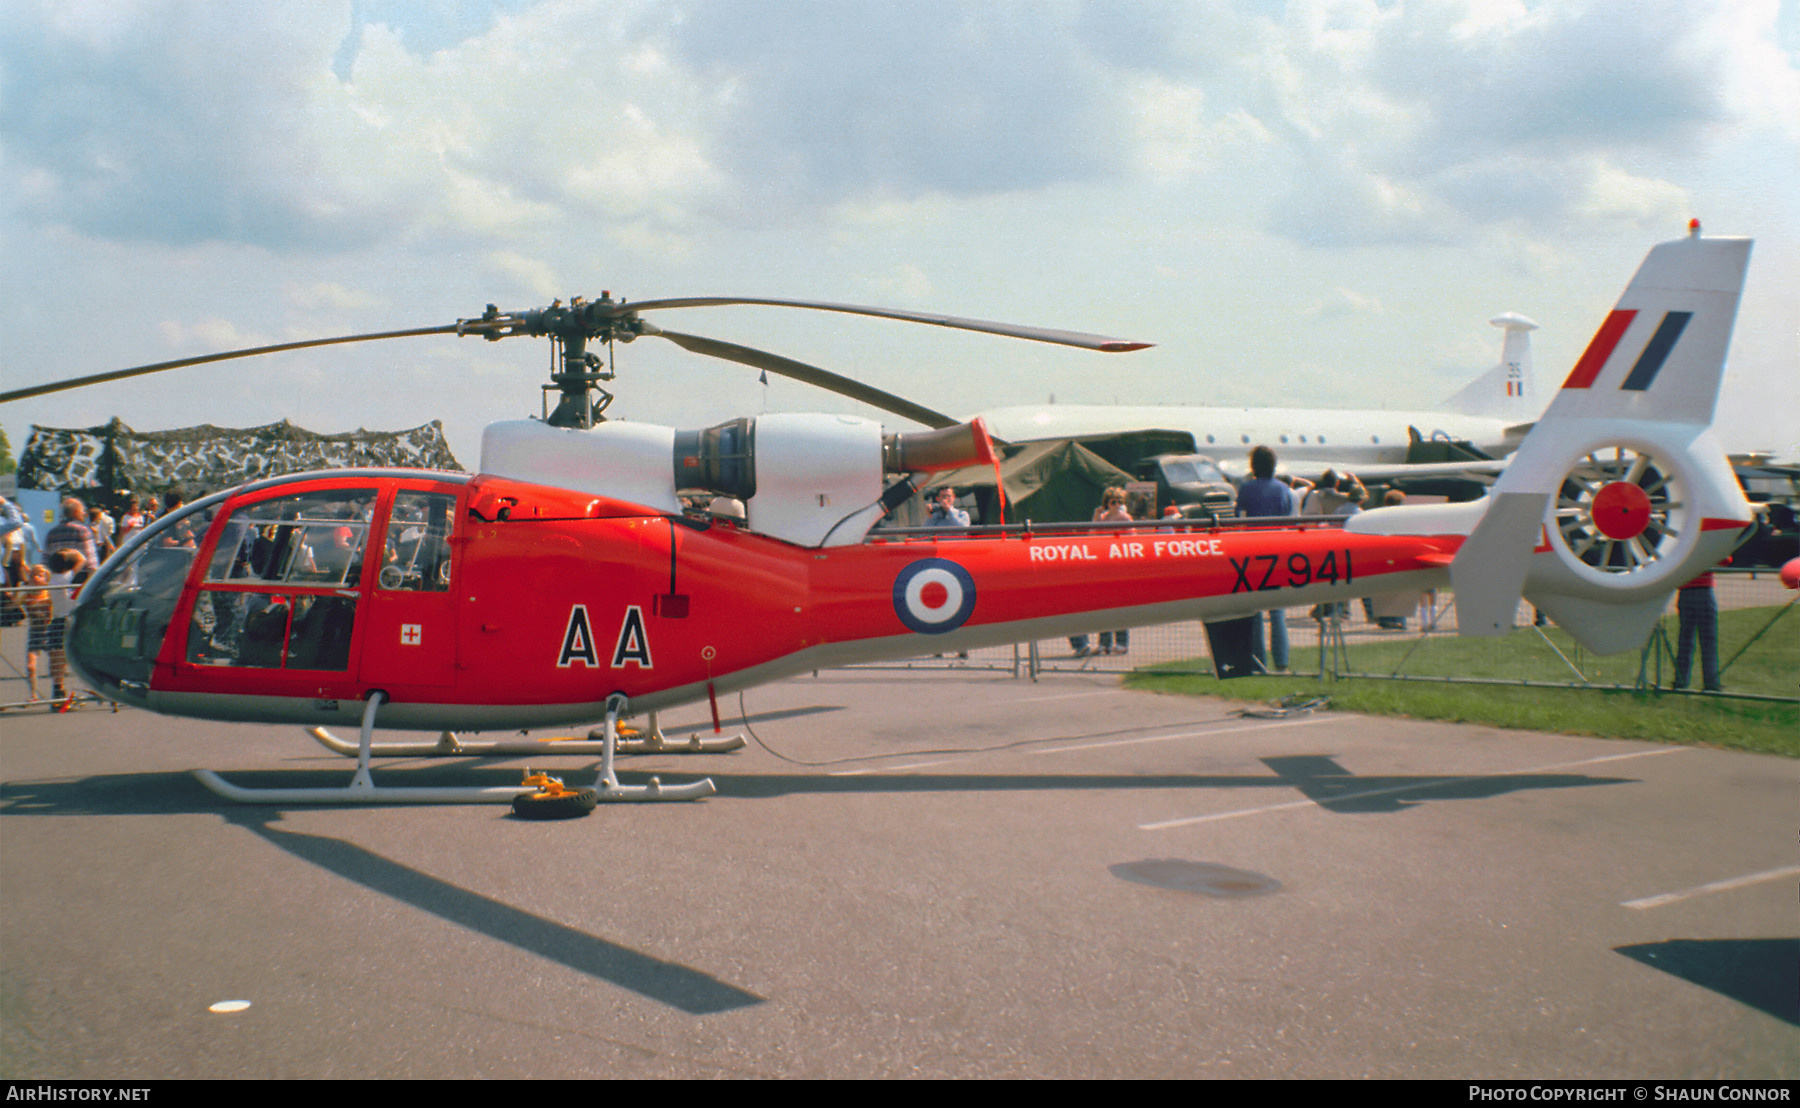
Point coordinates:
[(411, 629), (280, 590)]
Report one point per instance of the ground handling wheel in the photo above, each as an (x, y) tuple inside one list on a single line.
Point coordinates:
[(553, 800)]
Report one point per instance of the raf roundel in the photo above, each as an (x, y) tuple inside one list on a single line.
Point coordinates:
[(934, 595)]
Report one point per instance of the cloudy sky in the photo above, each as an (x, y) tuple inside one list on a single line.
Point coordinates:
[(1321, 202)]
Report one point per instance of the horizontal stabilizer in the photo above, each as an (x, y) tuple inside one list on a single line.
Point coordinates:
[(1466, 467)]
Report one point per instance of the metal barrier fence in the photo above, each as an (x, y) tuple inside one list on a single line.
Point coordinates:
[(20, 604), (1426, 647), (31, 630)]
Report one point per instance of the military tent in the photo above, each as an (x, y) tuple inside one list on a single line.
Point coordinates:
[(1046, 482), (1056, 480), (114, 458)]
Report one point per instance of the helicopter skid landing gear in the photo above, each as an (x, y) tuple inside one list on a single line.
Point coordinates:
[(608, 787), (657, 743), (362, 788), (450, 745)]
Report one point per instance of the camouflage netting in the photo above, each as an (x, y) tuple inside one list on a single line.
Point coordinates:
[(206, 459)]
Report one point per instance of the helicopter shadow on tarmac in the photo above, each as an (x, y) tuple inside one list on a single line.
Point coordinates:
[(1316, 777), (1756, 972), (682, 987), (671, 983)]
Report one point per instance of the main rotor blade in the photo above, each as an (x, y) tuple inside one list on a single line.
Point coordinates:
[(812, 375), (1013, 330), (121, 374)]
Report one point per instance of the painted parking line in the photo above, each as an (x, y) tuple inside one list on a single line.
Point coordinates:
[(1715, 887), (1066, 696), (1137, 739), (891, 769), (1132, 741), (1437, 783)]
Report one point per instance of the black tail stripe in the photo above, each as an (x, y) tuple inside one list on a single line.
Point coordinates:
[(1650, 362)]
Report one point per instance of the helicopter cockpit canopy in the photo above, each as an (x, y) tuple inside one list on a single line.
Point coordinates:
[(285, 562), (125, 609)]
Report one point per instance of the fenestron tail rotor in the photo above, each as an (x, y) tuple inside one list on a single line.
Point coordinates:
[(1618, 510), (574, 326)]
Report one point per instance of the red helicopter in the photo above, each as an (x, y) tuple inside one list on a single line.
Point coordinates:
[(566, 581)]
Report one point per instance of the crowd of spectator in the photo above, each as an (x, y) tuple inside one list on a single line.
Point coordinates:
[(40, 575)]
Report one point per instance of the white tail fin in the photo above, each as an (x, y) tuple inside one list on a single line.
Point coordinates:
[(1661, 351), (1641, 498), (1508, 390)]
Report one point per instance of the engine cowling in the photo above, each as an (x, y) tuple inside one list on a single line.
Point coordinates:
[(802, 476)]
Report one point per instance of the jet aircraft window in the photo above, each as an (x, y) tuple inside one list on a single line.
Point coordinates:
[(313, 538), (417, 553)]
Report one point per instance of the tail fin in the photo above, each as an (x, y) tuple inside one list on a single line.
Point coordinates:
[(1660, 353), (1508, 390), (1640, 497)]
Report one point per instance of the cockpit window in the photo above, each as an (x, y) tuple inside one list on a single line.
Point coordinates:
[(416, 557), (157, 560), (313, 539), (309, 540), (271, 630)]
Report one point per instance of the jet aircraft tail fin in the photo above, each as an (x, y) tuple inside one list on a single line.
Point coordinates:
[(1508, 390)]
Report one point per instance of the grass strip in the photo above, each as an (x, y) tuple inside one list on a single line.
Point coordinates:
[(1769, 667)]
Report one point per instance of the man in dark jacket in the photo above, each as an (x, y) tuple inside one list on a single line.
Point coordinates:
[(1266, 495)]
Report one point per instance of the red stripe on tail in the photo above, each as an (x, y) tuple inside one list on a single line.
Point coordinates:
[(1599, 349)]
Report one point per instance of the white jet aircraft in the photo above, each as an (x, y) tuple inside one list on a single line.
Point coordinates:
[(1493, 412)]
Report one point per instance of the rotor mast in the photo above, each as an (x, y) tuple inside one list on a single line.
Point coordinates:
[(578, 371)]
